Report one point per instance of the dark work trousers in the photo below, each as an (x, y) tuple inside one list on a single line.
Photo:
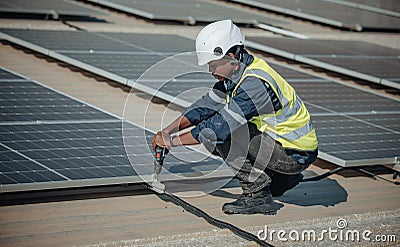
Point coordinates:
[(251, 154)]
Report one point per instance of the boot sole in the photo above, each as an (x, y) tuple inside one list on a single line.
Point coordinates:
[(261, 209)]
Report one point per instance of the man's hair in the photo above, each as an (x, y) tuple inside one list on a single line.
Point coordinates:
[(237, 50)]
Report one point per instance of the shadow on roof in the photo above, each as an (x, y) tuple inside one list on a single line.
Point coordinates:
[(326, 192)]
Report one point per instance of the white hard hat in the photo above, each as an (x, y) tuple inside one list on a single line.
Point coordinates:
[(216, 39)]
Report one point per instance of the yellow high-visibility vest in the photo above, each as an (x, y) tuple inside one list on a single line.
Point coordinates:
[(291, 125)]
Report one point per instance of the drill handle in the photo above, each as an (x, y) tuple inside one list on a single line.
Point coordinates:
[(159, 154)]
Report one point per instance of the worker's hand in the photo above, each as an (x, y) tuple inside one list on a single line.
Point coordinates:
[(161, 139)]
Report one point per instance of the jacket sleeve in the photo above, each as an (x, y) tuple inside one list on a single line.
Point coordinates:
[(252, 99), (208, 105)]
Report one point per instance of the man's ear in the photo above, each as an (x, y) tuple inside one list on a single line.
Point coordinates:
[(235, 62), (231, 55)]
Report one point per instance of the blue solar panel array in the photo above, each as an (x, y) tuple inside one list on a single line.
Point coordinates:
[(324, 98), (50, 140), (54, 8), (27, 101), (374, 63), (186, 11), (332, 12), (121, 57)]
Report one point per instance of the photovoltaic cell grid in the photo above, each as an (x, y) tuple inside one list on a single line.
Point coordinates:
[(358, 59), (339, 99), (187, 11), (118, 56), (354, 127), (79, 154), (8, 76), (153, 42), (323, 98), (86, 42), (50, 7), (323, 48), (43, 146), (330, 13), (27, 101), (352, 139)]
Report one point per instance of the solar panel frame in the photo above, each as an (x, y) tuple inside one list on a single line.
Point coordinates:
[(296, 79)]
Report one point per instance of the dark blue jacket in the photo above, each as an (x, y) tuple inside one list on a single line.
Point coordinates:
[(253, 98)]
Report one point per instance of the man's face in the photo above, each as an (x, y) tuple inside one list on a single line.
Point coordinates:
[(221, 69)]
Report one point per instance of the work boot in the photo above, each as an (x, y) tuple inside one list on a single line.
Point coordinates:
[(282, 183), (259, 202)]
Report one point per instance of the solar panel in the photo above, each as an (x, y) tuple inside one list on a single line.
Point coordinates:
[(322, 97), (119, 56), (50, 140), (294, 75), (359, 140), (386, 7), (29, 102), (354, 58), (154, 42), (82, 154), (378, 67), (5, 75), (333, 98), (16, 168), (71, 41), (187, 11), (329, 13), (55, 8), (323, 48), (125, 65)]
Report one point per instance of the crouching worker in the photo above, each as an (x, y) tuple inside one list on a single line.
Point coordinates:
[(252, 118)]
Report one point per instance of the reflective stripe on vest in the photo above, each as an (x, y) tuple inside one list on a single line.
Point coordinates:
[(291, 125)]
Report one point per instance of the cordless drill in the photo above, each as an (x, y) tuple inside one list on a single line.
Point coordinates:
[(159, 156)]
